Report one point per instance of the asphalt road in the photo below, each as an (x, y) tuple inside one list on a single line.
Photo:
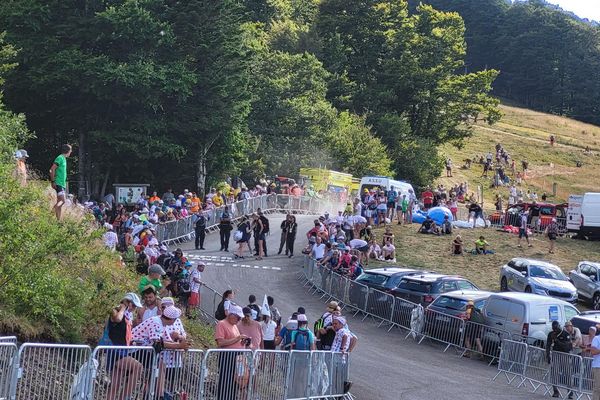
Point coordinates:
[(384, 365)]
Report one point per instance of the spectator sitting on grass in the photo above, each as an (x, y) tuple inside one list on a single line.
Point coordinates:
[(374, 250), (481, 245), (429, 226), (388, 251), (457, 246), (446, 226)]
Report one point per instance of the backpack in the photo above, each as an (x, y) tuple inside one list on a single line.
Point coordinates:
[(220, 311), (301, 340), (562, 342), (319, 324)]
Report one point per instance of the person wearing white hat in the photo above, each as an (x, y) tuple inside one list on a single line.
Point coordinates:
[(268, 327), (228, 336), (195, 284), (160, 332)]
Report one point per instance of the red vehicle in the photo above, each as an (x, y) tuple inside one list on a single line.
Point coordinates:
[(548, 211)]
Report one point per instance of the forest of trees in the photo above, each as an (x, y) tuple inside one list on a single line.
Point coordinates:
[(185, 93), (548, 59)]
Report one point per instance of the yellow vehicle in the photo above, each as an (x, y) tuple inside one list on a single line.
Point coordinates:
[(338, 184), (355, 188)]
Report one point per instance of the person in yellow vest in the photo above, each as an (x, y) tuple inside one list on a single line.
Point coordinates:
[(218, 199), (194, 204)]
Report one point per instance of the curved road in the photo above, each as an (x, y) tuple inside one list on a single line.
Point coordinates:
[(384, 365)]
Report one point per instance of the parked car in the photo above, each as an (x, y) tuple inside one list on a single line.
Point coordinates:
[(424, 288), (587, 282), (527, 315), (380, 279), (585, 320), (455, 303), (535, 276)]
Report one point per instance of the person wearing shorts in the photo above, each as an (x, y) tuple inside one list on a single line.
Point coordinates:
[(523, 228), (58, 178)]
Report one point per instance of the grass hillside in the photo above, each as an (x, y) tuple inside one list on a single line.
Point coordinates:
[(525, 135)]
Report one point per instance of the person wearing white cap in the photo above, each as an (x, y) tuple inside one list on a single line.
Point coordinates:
[(195, 284), (228, 336), (159, 332), (118, 333), (268, 327), (341, 342)]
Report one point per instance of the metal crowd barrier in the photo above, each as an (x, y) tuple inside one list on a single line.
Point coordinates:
[(512, 361), (209, 300), (74, 372), (183, 229), (443, 328), (484, 340)]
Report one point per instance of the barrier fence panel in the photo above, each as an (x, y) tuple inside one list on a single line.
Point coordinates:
[(182, 372), (8, 360), (226, 374), (565, 371), (484, 340), (52, 372), (586, 384), (118, 372), (321, 374), (270, 371), (402, 313), (209, 300), (380, 304), (298, 375), (357, 296), (443, 328), (8, 339), (537, 368), (512, 361), (340, 375), (339, 286)]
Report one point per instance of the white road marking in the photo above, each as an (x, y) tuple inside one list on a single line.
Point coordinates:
[(223, 261)]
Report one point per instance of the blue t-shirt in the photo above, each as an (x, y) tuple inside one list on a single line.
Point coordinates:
[(391, 196), (300, 340)]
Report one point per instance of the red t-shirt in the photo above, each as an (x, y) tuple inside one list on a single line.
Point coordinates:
[(427, 197)]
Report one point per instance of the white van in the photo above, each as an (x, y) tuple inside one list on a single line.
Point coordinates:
[(574, 213), (526, 314), (384, 183), (590, 215)]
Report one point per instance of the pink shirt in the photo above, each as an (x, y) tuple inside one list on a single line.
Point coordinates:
[(224, 330), (254, 331)]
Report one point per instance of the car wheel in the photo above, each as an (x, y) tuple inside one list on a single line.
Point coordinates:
[(528, 289), (596, 301), (503, 285)]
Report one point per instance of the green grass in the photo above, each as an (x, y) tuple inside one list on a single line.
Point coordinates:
[(432, 253), (524, 134)]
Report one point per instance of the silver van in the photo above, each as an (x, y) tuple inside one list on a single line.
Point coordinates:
[(526, 314)]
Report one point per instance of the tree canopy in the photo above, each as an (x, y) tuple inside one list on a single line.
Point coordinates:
[(188, 93)]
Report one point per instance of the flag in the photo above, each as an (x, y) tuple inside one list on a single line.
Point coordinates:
[(265, 310)]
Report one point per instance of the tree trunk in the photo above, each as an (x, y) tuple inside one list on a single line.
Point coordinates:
[(105, 183), (81, 168), (201, 172)]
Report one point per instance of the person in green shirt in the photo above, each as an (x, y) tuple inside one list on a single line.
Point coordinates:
[(58, 178), (481, 245), (155, 272)]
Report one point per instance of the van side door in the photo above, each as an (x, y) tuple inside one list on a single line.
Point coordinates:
[(495, 312)]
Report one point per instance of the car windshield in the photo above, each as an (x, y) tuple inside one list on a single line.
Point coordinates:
[(537, 271), (415, 286), (373, 279), (450, 303)]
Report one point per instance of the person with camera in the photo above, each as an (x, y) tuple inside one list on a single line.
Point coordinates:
[(158, 332), (227, 336), (251, 329)]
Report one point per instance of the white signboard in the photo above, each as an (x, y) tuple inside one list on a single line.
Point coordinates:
[(130, 194)]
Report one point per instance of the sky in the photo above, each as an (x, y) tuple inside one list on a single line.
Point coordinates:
[(589, 9)]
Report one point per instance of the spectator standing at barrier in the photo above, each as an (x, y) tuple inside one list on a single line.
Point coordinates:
[(559, 341), (594, 351), (118, 333), (318, 249), (341, 341), (324, 327), (225, 228), (254, 307), (250, 328), (576, 337), (227, 336), (302, 338), (268, 327), (155, 272), (151, 305), (58, 178), (552, 232), (473, 329), (199, 220)]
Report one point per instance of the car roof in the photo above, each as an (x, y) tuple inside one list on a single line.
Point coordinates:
[(592, 316), (468, 294), (592, 263), (536, 262), (528, 297), (432, 277), (390, 271)]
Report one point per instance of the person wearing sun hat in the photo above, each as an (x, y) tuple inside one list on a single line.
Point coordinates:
[(228, 336), (160, 332)]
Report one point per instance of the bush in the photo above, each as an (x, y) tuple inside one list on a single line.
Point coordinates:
[(56, 279)]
